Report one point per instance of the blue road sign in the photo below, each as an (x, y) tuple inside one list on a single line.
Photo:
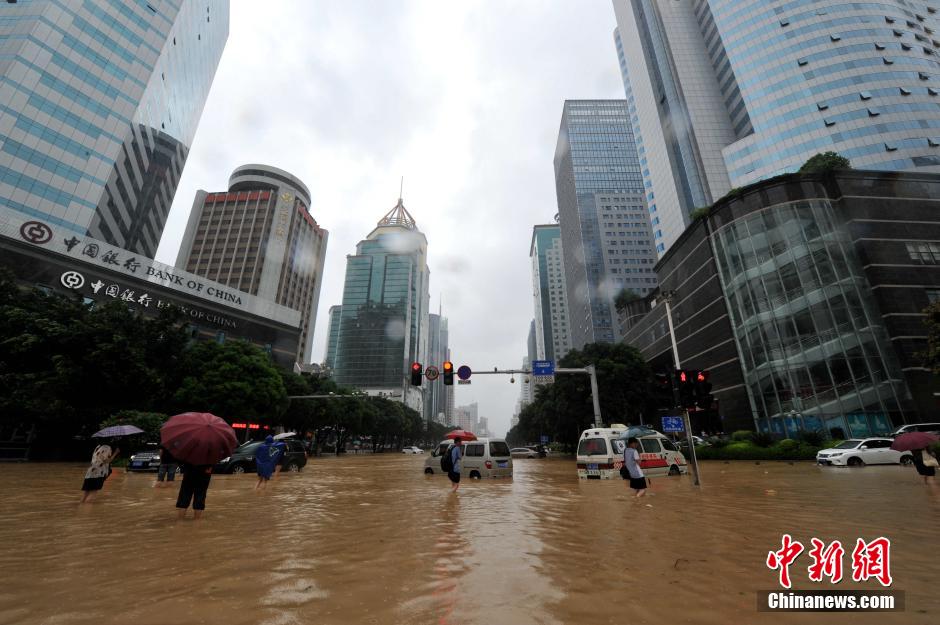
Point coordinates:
[(464, 372), (543, 367), (672, 424), (544, 439)]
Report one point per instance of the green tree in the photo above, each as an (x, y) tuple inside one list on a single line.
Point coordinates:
[(699, 213), (624, 298), (233, 380), (825, 161), (932, 321)]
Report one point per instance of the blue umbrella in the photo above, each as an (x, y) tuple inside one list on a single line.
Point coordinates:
[(118, 430), (636, 431)]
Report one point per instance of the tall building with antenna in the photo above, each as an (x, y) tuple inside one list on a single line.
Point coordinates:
[(384, 321)]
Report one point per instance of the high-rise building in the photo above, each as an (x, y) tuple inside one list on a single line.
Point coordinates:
[(730, 93), (332, 337), (384, 321), (548, 290), (467, 417), (259, 237), (99, 103), (605, 231), (435, 396)]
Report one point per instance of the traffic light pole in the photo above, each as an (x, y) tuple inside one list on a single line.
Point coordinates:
[(675, 392)]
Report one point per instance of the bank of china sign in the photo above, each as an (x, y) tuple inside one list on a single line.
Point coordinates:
[(94, 252)]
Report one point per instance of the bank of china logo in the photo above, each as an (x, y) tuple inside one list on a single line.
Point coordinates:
[(36, 232), (287, 197), (72, 280)]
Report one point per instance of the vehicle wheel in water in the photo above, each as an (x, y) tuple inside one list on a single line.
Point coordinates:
[(428, 471), (673, 470), (855, 462), (474, 475), (907, 460), (238, 468), (293, 467)]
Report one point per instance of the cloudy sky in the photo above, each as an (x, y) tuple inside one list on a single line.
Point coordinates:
[(463, 99)]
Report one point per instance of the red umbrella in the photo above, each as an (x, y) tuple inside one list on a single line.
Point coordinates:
[(914, 440), (198, 437), (464, 435)]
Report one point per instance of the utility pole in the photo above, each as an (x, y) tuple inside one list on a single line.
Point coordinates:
[(667, 296)]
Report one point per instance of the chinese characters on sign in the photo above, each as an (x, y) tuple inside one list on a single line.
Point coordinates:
[(283, 217), (870, 560)]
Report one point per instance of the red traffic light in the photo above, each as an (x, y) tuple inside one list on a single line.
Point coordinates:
[(416, 366), (701, 376), (683, 376)]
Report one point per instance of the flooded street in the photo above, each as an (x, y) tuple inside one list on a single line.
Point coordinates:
[(370, 539)]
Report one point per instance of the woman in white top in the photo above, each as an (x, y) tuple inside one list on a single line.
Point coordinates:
[(99, 470), (631, 462)]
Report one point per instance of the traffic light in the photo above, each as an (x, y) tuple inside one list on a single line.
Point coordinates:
[(416, 371), (448, 370), (703, 390), (685, 382)]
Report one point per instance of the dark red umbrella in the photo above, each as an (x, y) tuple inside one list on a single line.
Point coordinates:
[(464, 435), (198, 437), (914, 440)]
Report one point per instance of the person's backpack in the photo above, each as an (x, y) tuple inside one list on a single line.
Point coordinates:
[(447, 460)]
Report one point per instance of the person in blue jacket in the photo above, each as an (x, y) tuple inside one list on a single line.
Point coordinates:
[(266, 458), (456, 452)]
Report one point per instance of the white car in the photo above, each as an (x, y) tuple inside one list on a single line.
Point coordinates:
[(523, 452), (412, 450), (857, 452)]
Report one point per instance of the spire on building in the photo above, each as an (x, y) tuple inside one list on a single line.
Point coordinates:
[(399, 216)]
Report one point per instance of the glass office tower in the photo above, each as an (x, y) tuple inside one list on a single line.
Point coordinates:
[(605, 231), (728, 93), (99, 103), (384, 317)]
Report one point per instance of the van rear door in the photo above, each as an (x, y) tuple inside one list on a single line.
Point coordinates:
[(500, 459)]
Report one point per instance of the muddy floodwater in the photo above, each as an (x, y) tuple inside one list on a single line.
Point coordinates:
[(370, 539)]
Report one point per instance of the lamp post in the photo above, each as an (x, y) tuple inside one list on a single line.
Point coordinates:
[(667, 297)]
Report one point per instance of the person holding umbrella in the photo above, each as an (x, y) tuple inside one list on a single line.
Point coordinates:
[(199, 440), (100, 468), (917, 443)]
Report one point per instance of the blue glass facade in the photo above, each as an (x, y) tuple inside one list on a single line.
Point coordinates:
[(602, 211), (99, 102)]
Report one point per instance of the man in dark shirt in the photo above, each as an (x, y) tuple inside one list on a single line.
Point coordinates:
[(167, 469), (195, 484)]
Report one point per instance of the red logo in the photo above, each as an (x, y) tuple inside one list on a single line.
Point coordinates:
[(36, 232)]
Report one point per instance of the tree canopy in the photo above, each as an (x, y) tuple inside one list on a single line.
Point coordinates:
[(564, 409), (825, 161)]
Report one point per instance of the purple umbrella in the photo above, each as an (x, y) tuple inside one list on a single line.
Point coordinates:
[(914, 440), (118, 430)]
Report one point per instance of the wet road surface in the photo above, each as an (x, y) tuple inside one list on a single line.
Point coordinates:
[(370, 539)]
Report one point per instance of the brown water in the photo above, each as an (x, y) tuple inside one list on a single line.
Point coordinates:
[(370, 539)]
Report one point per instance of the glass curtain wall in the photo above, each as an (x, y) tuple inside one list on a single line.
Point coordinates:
[(814, 353)]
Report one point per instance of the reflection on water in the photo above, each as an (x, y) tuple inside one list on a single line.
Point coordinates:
[(373, 540)]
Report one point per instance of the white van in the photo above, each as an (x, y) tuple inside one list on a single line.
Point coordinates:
[(484, 457), (600, 453)]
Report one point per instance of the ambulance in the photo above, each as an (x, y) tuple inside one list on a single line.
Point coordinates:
[(600, 452)]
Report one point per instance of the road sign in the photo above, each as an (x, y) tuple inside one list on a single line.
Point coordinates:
[(464, 372), (463, 381), (672, 424), (543, 367), (544, 439), (431, 372), (543, 379)]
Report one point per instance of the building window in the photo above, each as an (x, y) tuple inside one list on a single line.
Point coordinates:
[(925, 252), (933, 295)]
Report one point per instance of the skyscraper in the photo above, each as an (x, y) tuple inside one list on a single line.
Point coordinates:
[(549, 293), (259, 237), (729, 93), (605, 231), (384, 321), (99, 103), (332, 337), (435, 396)]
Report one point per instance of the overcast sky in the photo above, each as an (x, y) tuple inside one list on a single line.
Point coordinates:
[(463, 99)]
